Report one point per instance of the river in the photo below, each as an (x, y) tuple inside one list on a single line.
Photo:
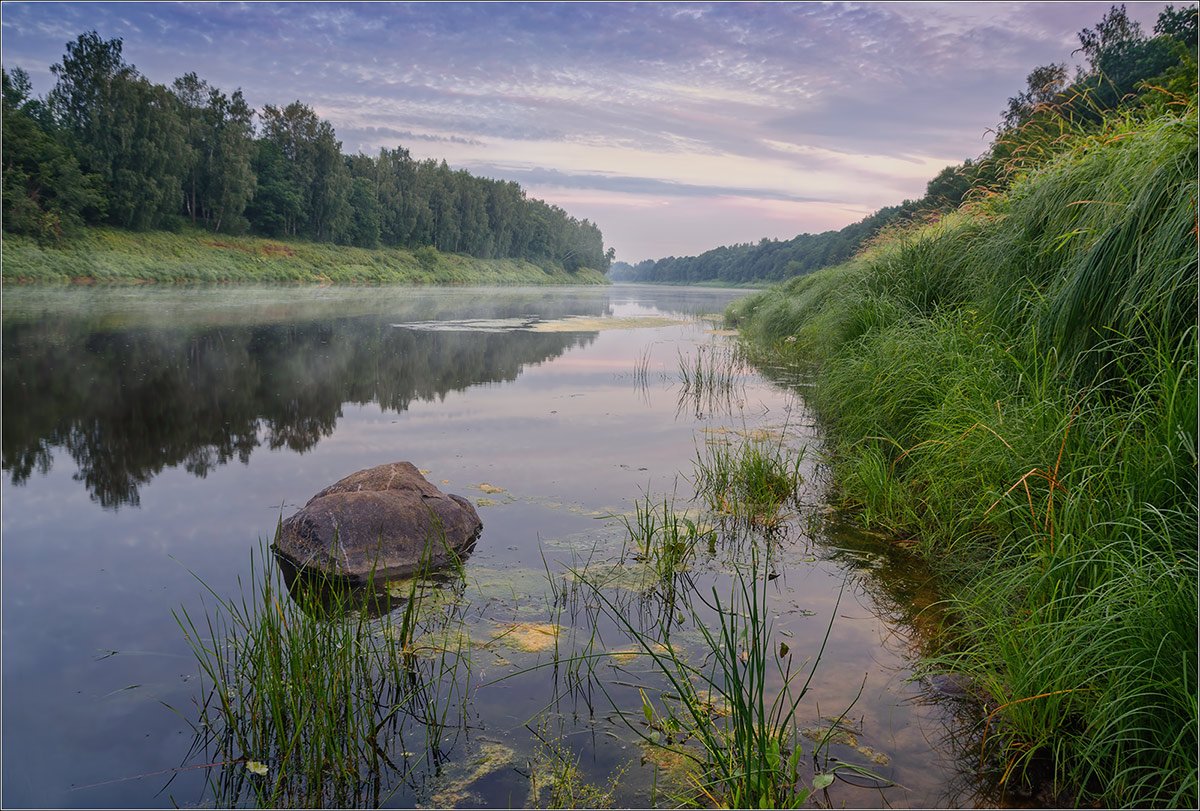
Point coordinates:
[(153, 438)]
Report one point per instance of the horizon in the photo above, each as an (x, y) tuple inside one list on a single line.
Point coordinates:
[(676, 128)]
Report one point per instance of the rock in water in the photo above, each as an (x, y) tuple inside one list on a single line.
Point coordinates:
[(387, 519)]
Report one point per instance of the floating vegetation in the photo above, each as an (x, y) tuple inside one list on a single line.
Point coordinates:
[(455, 790), (556, 781), (631, 653), (835, 733), (583, 323), (529, 637), (489, 488)]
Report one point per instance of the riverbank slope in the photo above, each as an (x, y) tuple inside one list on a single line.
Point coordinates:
[(1012, 391), (110, 255)]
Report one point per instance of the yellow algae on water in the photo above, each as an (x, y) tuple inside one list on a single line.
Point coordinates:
[(581, 323), (490, 488), (528, 637), (632, 653)]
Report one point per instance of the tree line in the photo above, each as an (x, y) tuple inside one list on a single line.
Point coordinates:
[(1125, 68), (107, 146)]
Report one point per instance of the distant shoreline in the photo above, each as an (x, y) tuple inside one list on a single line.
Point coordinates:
[(194, 256)]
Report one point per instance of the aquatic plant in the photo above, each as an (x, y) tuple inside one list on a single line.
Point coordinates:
[(556, 781), (751, 477), (711, 378), (663, 538), (735, 716), (322, 697)]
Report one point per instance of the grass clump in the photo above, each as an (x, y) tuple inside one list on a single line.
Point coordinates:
[(311, 697), (663, 539), (1015, 388), (710, 379), (556, 781), (749, 479)]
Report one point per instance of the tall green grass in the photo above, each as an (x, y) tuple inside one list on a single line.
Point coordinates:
[(323, 697), (1015, 388), (664, 539)]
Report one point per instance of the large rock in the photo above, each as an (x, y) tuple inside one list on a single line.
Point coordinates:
[(387, 519)]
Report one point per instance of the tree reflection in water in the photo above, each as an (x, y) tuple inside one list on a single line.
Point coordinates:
[(128, 402)]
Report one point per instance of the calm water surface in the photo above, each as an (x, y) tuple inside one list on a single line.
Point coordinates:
[(153, 437)]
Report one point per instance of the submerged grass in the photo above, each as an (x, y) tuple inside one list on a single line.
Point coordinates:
[(710, 379), (319, 699), (1015, 389), (110, 255)]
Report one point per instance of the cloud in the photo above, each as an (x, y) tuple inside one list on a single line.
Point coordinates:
[(650, 186), (849, 106)]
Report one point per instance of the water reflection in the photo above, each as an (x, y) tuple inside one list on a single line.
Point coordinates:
[(128, 402)]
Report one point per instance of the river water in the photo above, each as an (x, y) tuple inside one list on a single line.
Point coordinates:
[(152, 439)]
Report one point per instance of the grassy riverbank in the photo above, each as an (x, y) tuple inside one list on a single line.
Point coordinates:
[(1013, 389), (110, 255)]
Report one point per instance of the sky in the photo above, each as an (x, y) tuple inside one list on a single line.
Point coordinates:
[(676, 127)]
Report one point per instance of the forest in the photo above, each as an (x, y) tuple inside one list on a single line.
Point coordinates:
[(1122, 63), (106, 146)]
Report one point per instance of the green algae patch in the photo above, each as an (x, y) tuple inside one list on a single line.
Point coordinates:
[(638, 577), (491, 758), (677, 772), (431, 595), (512, 585), (845, 737)]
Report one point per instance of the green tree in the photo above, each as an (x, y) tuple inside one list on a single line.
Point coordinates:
[(316, 170), (278, 202), (46, 194), (123, 128)]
